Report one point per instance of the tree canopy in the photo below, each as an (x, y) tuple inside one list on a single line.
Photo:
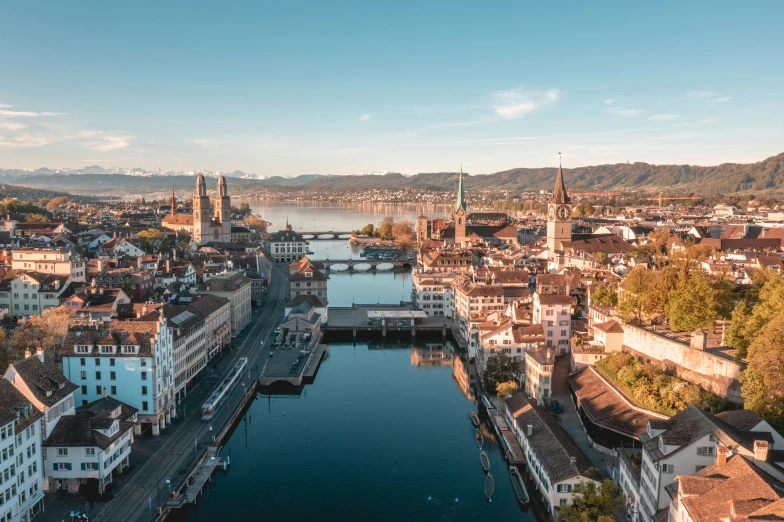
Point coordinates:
[(764, 301), (500, 368), (152, 239), (762, 382), (593, 503)]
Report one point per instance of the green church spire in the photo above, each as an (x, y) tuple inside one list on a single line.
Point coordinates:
[(460, 192)]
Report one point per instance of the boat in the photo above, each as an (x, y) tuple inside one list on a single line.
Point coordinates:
[(489, 487), (518, 485), (484, 461), (479, 439), (475, 418)]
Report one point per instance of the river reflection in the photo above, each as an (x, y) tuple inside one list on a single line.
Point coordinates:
[(373, 438)]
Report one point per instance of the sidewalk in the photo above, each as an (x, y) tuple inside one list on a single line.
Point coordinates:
[(570, 420)]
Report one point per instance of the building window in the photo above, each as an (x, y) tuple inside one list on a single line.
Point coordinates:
[(668, 468), (97, 361), (84, 389), (89, 452), (62, 452), (97, 376), (82, 361), (144, 390), (83, 375), (114, 390), (144, 405), (144, 376)]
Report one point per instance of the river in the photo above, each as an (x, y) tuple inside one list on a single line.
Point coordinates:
[(383, 433)]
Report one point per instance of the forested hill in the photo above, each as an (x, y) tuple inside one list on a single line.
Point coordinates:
[(763, 176)]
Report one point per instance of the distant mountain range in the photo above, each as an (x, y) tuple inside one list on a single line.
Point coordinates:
[(763, 176)]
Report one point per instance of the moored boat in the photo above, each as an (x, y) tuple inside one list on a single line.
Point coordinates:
[(479, 439), (475, 418), (485, 461), (518, 485), (489, 487)]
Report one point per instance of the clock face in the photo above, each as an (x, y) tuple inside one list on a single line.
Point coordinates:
[(551, 213), (563, 212)]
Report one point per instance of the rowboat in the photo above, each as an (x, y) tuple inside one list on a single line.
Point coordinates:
[(484, 461), (489, 487), (475, 418), (479, 439), (518, 485)]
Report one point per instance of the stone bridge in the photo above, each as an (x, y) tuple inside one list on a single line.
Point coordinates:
[(315, 236), (404, 264)]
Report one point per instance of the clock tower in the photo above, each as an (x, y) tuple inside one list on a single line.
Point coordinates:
[(461, 211), (559, 217)]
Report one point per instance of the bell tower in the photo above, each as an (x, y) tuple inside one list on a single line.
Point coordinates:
[(559, 216), (460, 211), (422, 229), (223, 209), (201, 212)]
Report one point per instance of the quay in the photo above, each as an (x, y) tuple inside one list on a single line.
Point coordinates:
[(370, 320), (292, 365)]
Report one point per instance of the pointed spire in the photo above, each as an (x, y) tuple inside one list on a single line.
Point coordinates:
[(173, 202), (559, 193), (460, 203)]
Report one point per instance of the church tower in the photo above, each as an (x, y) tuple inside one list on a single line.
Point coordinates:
[(223, 209), (201, 212), (422, 229), (460, 211), (173, 202), (559, 217)]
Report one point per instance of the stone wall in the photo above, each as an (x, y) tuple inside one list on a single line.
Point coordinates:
[(712, 372)]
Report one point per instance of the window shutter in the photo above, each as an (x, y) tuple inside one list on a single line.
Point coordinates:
[(68, 466), (84, 466), (55, 466)]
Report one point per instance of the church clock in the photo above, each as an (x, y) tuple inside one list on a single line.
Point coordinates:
[(563, 212), (551, 212)]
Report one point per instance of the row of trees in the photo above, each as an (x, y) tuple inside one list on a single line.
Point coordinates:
[(401, 232), (686, 295)]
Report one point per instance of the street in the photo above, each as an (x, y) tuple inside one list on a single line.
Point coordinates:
[(153, 460)]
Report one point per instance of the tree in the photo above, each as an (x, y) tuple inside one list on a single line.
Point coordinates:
[(367, 230), (57, 202), (593, 503), (384, 230), (46, 331), (403, 228), (152, 239), (36, 218), (256, 223), (5, 354), (183, 247), (762, 382), (692, 304), (404, 243), (767, 294), (499, 368), (506, 388), (605, 296), (601, 258)]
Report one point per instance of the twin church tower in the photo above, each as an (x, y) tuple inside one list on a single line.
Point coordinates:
[(209, 222)]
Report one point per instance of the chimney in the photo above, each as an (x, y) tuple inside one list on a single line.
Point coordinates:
[(28, 353), (573, 460), (761, 450), (104, 392), (699, 340), (548, 354), (168, 264), (530, 430), (721, 455)]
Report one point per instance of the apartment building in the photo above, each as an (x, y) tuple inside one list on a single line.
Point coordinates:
[(49, 261), (433, 293), (236, 288), (21, 467), (30, 293), (306, 279), (132, 361), (473, 303), (94, 444), (287, 246), (554, 313)]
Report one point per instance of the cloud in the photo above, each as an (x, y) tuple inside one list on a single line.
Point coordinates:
[(516, 103), (700, 95), (710, 96), (108, 143), (624, 112), (200, 141), (366, 117), (26, 114), (665, 117), (12, 125), (609, 101)]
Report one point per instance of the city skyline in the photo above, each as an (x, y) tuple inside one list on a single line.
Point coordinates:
[(347, 89)]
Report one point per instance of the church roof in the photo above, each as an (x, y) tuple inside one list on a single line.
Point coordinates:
[(178, 219), (559, 194)]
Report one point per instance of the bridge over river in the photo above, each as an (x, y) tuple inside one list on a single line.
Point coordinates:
[(315, 236), (372, 264)]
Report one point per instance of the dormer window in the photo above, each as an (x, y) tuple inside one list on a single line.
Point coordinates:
[(107, 349), (81, 348)]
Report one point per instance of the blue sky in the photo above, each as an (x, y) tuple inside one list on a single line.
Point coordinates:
[(287, 88)]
